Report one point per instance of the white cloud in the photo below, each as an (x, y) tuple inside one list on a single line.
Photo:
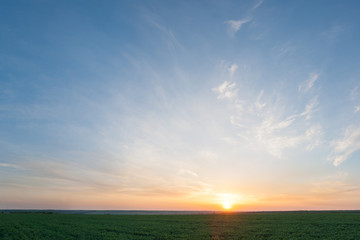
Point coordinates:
[(269, 125), (226, 90), (258, 4), (235, 25), (187, 172), (284, 49), (309, 83), (334, 31), (263, 124), (9, 165), (344, 147), (232, 69), (357, 108), (277, 135), (258, 104), (271, 134), (276, 145), (313, 136), (354, 93), (169, 37), (310, 108)]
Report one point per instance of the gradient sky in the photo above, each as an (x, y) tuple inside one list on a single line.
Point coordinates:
[(182, 105)]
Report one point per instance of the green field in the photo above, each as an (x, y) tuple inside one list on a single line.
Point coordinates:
[(295, 225)]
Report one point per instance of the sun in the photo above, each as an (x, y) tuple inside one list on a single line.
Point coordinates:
[(228, 201), (226, 205)]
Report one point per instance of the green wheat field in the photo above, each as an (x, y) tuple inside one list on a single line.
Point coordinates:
[(277, 225)]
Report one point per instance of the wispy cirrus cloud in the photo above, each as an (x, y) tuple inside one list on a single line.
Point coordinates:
[(346, 145), (354, 93), (334, 185), (334, 31), (258, 104), (314, 137), (310, 108), (279, 134), (357, 109), (262, 123), (232, 69), (284, 50), (235, 25), (309, 83), (8, 165), (257, 4), (170, 39), (226, 90)]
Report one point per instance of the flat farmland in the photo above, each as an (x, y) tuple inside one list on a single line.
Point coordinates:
[(276, 225)]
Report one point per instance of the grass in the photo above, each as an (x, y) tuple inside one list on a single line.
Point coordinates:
[(257, 226)]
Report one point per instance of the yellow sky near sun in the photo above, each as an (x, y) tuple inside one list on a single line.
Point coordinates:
[(213, 201)]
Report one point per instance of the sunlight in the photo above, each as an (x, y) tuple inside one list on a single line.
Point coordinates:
[(227, 200), (227, 205)]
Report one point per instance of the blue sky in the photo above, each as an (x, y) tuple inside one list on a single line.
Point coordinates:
[(179, 104)]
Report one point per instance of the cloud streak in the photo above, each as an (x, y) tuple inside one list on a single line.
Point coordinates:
[(232, 69), (357, 109), (345, 146), (310, 108), (8, 165), (226, 90), (258, 4), (354, 93), (263, 124), (235, 25), (309, 83)]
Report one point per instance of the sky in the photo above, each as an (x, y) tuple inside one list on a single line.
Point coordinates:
[(251, 105)]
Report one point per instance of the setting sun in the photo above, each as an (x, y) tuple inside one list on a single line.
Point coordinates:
[(227, 205)]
